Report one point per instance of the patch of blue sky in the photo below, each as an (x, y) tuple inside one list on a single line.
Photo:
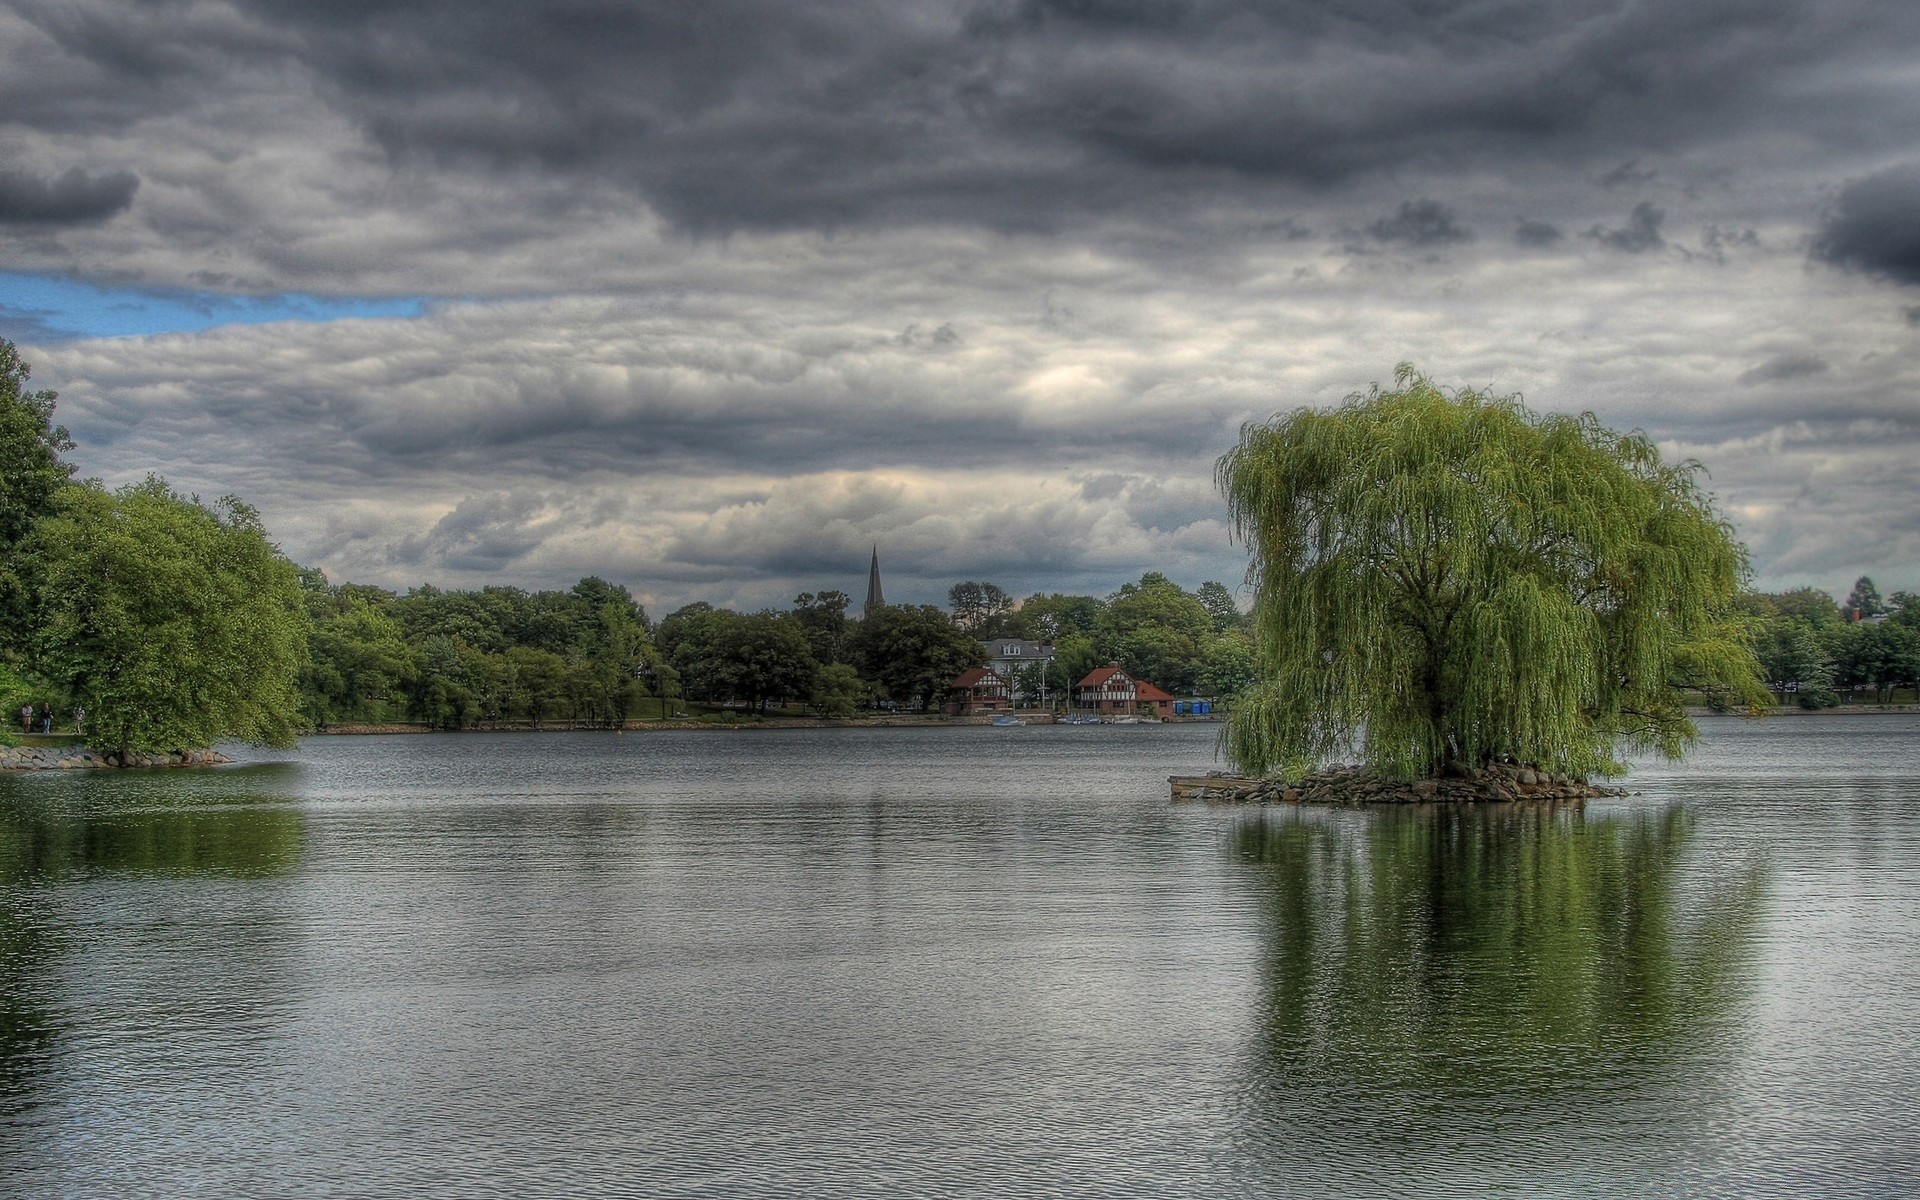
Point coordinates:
[(48, 308)]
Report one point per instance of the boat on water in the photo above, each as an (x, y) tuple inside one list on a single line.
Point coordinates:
[(1079, 719), (1123, 720), (1006, 720)]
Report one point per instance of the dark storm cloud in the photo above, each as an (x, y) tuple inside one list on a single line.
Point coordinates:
[(71, 197), (1875, 226), (1420, 223), (1640, 234), (735, 114)]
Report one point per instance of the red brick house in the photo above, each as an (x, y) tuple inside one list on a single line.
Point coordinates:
[(978, 690), (1110, 690)]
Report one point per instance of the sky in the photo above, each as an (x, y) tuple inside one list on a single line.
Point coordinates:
[(710, 299)]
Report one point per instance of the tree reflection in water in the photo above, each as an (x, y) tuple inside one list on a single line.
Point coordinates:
[(60, 837), (1479, 987)]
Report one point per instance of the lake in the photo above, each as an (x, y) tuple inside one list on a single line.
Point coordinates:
[(953, 962)]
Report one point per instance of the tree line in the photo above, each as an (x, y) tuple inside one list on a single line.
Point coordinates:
[(1817, 653), (590, 656)]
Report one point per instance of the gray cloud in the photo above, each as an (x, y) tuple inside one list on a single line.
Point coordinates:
[(1875, 226), (748, 114), (1784, 368), (1629, 173), (1640, 234), (1537, 233), (733, 290), (70, 197), (1420, 223)]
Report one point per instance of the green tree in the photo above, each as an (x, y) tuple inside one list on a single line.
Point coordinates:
[(175, 625), (359, 662), (726, 656), (1156, 630), (31, 474), (1880, 655), (1449, 577), (1807, 604), (979, 608), (838, 691), (1217, 599), (1904, 609), (1795, 660), (1863, 601), (912, 652), (822, 616), (1055, 616), (1074, 657), (1228, 667)]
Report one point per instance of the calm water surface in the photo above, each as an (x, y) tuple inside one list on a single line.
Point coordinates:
[(954, 962)]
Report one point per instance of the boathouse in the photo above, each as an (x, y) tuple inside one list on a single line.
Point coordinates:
[(1110, 691), (978, 690)]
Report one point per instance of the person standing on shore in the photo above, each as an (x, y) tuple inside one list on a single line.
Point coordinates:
[(46, 716), (79, 719), (26, 718)]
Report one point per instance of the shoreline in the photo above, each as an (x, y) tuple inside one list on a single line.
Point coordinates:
[(893, 721)]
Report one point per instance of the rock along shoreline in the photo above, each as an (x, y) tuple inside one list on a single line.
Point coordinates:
[(1499, 783), (85, 758)]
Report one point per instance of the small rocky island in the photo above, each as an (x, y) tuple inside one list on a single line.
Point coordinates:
[(1495, 783)]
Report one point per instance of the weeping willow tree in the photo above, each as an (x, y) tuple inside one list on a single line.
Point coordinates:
[(1444, 577)]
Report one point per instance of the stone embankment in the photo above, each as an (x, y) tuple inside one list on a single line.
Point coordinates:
[(1498, 783), (80, 758)]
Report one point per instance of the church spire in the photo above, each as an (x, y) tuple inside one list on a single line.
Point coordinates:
[(874, 598)]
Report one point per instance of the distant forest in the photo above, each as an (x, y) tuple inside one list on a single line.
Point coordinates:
[(591, 656)]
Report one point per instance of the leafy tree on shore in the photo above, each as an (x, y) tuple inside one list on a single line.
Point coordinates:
[(31, 475), (912, 652), (1447, 577), (174, 624), (723, 655)]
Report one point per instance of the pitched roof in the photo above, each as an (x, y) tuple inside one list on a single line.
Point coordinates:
[(1142, 690), (973, 676)]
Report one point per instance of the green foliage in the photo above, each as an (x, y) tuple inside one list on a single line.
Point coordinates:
[(359, 666), (1881, 655), (981, 609), (30, 447), (1228, 668), (1450, 577), (722, 655), (1157, 631), (31, 474), (1797, 662), (822, 617), (1863, 601), (838, 691), (912, 652), (1809, 605), (1055, 616), (1215, 597), (174, 625), (1074, 656)]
